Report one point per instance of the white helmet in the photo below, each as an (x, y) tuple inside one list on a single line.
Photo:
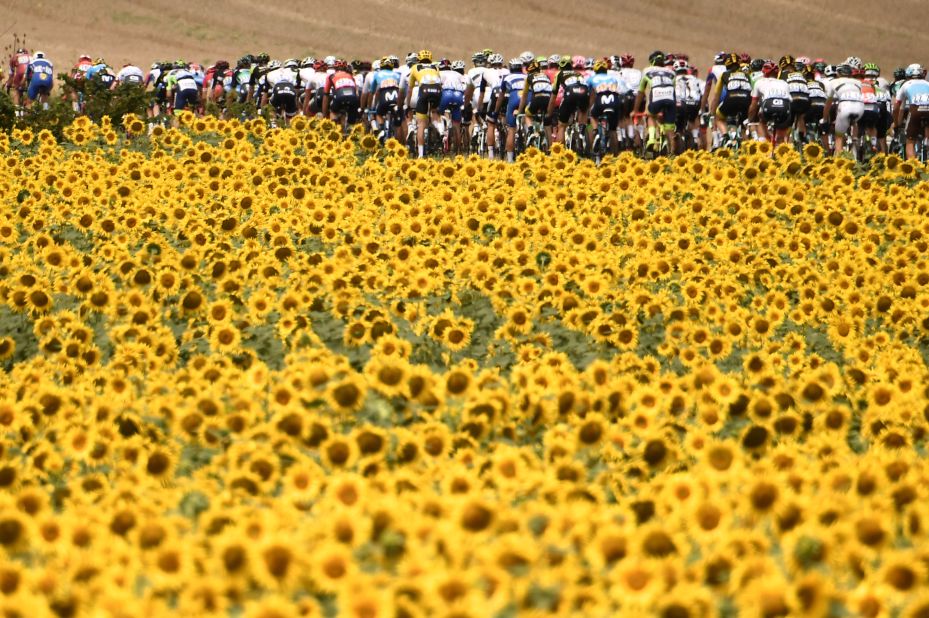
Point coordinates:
[(329, 60), (526, 56), (412, 58), (458, 65), (39, 54), (495, 59), (554, 59), (376, 65), (914, 71), (853, 61)]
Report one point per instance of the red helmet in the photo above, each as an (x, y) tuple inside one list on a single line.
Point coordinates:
[(745, 58), (320, 65), (769, 69), (627, 61)]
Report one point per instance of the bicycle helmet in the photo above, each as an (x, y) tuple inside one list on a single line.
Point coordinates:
[(786, 62), (458, 65), (769, 69), (487, 52), (914, 71), (680, 66), (553, 60), (872, 70), (804, 60), (329, 60), (445, 64), (541, 59), (291, 63), (656, 58), (843, 70), (589, 64), (579, 62), (274, 65), (495, 60), (357, 65), (515, 65), (84, 57), (424, 55), (533, 67), (263, 58), (744, 58), (341, 65), (853, 61), (38, 55), (720, 58), (320, 65), (178, 64), (21, 50), (756, 64), (601, 66), (829, 70), (732, 61), (478, 58), (627, 61), (526, 56)]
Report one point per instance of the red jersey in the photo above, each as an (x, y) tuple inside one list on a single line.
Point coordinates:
[(341, 83), (19, 65)]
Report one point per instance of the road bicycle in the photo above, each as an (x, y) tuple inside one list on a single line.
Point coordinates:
[(536, 135), (575, 136), (601, 142), (660, 147)]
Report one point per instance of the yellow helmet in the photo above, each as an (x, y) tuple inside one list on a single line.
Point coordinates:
[(424, 55)]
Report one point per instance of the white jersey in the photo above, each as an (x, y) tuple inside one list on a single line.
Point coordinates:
[(306, 76), (360, 81), (130, 75), (631, 77), (454, 81), (768, 88), (492, 80), (687, 89), (621, 86), (716, 71), (369, 80), (844, 90), (316, 80), (283, 75), (475, 77)]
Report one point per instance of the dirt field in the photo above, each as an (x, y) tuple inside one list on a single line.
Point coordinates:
[(122, 30)]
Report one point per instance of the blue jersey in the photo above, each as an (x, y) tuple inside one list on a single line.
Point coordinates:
[(384, 79), (602, 82), (513, 86), (914, 92), (41, 71)]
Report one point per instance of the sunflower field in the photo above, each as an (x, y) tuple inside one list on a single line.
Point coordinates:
[(273, 372)]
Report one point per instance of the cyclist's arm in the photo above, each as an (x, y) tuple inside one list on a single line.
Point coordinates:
[(753, 109), (410, 84), (523, 95), (713, 99)]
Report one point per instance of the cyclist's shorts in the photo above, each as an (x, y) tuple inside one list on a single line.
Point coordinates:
[(538, 105), (884, 123), (847, 114), (38, 87), (573, 102), (607, 106), (184, 99), (776, 110), (512, 105), (799, 105), (452, 101), (430, 95), (387, 99), (917, 122), (628, 102), (815, 113), (687, 113), (666, 107), (871, 117), (346, 104), (733, 107), (284, 99)]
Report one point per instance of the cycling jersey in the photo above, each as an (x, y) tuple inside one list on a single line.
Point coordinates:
[(383, 80), (607, 103), (773, 96), (425, 75), (687, 90), (41, 70), (19, 66), (130, 75), (575, 94), (914, 92), (735, 91), (846, 91), (657, 86), (538, 92), (454, 85), (103, 73)]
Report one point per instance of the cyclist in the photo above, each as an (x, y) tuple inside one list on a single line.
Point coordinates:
[(771, 102), (871, 117), (656, 94), (572, 86), (845, 93), (493, 77), (17, 84), (282, 83), (817, 95), (712, 77), (214, 83), (454, 85), (341, 102), (730, 99), (687, 96), (792, 72), (130, 74), (383, 95), (182, 88), (315, 88), (631, 77), (511, 92), (605, 101), (872, 75), (102, 74), (425, 77), (259, 68), (913, 99), (40, 79), (899, 80), (536, 96)]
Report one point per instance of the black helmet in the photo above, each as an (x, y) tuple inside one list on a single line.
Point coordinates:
[(899, 73), (656, 58), (263, 58), (757, 63)]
